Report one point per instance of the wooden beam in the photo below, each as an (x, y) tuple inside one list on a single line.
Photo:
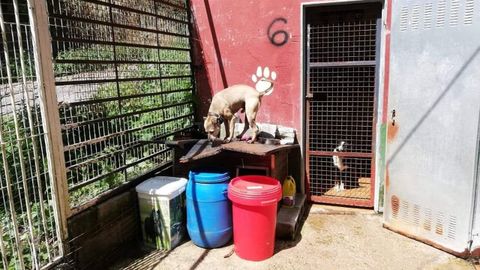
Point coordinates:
[(42, 44)]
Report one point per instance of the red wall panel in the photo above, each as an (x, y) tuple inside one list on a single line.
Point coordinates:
[(233, 39)]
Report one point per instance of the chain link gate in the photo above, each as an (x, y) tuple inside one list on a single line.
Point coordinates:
[(340, 103)]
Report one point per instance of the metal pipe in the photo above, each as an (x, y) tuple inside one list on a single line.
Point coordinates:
[(34, 136), (4, 152)]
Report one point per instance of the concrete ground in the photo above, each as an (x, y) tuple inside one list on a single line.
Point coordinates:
[(330, 238)]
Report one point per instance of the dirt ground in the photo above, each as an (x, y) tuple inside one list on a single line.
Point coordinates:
[(330, 238)]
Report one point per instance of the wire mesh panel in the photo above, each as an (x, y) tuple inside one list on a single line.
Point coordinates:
[(340, 102), (124, 80), (343, 41), (342, 108), (356, 179), (29, 237)]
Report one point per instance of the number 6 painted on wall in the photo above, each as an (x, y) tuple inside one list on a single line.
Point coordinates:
[(272, 36)]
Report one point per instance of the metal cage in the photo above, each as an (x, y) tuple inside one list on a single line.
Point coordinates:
[(123, 79), (340, 102)]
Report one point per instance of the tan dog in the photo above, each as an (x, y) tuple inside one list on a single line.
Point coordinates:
[(229, 101)]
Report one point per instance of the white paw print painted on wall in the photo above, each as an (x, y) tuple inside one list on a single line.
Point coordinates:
[(263, 79)]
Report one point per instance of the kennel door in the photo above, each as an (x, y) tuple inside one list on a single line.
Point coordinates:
[(342, 43), (432, 137)]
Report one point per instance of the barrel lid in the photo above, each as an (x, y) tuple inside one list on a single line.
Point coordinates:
[(162, 186), (209, 176), (254, 187)]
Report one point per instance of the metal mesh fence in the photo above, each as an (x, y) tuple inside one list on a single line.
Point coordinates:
[(28, 235), (124, 79), (329, 180), (343, 41), (342, 108), (341, 75)]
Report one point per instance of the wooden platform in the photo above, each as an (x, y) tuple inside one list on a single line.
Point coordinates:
[(362, 192), (288, 219), (203, 149)]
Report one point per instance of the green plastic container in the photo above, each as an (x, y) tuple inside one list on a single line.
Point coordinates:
[(162, 211)]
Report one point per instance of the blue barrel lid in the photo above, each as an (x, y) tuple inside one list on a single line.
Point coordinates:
[(209, 176)]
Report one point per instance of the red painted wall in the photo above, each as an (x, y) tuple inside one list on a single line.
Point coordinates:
[(237, 33)]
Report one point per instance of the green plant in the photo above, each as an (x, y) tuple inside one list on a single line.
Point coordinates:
[(44, 238), (146, 103)]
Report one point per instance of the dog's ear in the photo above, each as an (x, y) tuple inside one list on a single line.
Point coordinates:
[(219, 120)]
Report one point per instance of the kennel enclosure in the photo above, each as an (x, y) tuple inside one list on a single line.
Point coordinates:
[(340, 99)]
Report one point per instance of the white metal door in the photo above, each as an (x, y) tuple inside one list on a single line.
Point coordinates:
[(434, 105)]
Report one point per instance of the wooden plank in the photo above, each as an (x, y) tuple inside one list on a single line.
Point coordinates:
[(256, 148), (202, 149), (37, 11)]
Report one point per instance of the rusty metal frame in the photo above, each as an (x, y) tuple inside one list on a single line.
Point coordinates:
[(307, 65)]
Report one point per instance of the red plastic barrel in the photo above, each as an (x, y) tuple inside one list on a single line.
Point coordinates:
[(254, 209)]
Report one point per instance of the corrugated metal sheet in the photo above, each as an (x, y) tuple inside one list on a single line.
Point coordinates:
[(434, 106)]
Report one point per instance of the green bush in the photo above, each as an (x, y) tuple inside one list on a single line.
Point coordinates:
[(144, 100)]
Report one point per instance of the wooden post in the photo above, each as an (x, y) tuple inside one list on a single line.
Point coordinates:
[(42, 43)]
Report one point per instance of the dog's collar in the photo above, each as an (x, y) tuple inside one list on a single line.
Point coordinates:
[(218, 116)]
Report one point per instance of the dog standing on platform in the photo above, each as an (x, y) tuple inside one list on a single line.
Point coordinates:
[(228, 102)]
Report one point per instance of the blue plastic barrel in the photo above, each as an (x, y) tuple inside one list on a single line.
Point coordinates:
[(209, 212)]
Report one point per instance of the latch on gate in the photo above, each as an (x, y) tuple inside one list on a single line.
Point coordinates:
[(393, 117)]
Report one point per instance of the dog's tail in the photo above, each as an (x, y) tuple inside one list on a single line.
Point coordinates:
[(267, 91)]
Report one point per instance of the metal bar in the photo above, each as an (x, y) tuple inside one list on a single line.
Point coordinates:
[(88, 61), (108, 194), (103, 100), (125, 44), (117, 85), (10, 195), (307, 114), (19, 145), (105, 138), (59, 83), (11, 204), (342, 64), (343, 201), (170, 4), (95, 179), (134, 10), (159, 57), (50, 116), (340, 154), (123, 26), (34, 136), (2, 250), (373, 169), (106, 119), (192, 56)]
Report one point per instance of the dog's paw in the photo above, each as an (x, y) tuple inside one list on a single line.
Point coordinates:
[(263, 79)]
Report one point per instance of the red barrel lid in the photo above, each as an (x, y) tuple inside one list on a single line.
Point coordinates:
[(254, 190)]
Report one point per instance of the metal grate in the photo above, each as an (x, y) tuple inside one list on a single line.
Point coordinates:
[(356, 179), (342, 108), (124, 79), (343, 41), (29, 236), (340, 102)]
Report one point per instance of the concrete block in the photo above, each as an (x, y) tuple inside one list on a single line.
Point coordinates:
[(289, 218)]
